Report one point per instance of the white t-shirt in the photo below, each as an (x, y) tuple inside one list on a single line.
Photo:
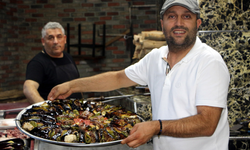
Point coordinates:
[(200, 78)]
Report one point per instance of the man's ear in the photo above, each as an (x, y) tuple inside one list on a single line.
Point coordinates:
[(198, 23), (42, 40), (161, 25)]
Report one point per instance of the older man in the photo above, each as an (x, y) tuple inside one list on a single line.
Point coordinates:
[(50, 67)]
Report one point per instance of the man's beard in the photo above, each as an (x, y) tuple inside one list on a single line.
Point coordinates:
[(188, 41)]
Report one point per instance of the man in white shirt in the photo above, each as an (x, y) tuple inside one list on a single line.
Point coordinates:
[(188, 81)]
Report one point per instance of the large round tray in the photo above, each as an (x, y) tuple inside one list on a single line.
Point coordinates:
[(18, 124)]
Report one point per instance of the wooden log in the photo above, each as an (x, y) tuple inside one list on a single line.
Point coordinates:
[(153, 35), (149, 44), (138, 48), (12, 94)]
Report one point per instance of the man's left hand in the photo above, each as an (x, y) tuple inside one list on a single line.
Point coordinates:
[(141, 133)]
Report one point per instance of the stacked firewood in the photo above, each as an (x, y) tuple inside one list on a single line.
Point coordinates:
[(147, 41)]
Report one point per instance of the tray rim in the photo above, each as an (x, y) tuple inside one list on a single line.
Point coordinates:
[(18, 125)]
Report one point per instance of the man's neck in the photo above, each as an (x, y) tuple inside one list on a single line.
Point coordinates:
[(54, 56), (174, 57)]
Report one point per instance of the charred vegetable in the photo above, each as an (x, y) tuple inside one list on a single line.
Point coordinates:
[(78, 121)]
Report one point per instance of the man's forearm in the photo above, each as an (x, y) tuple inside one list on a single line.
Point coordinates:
[(33, 96), (101, 83), (187, 127), (202, 124), (30, 91)]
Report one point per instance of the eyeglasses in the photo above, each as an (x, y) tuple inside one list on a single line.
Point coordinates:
[(168, 66)]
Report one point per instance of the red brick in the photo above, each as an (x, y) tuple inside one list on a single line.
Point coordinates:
[(30, 11), (2, 80), (20, 44), (69, 10), (87, 41), (111, 48), (13, 9), (100, 22), (31, 36), (36, 48), (150, 12), (24, 32), (37, 40), (149, 21), (82, 53), (2, 3), (7, 53), (25, 61), (116, 68), (67, 1), (96, 69), (37, 15), (63, 15), (106, 0), (87, 32), (112, 13), (72, 36), (5, 75), (31, 20), (117, 60), (16, 1), (3, 21), (49, 6), (5, 67), (42, 1), (9, 13), (77, 62), (138, 3), (23, 6), (113, 4), (119, 26), (105, 18), (11, 31), (89, 14), (79, 19), (87, 5), (9, 71), (118, 52)]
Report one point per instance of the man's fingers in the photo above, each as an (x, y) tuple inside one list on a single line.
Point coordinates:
[(131, 142), (54, 93), (51, 95)]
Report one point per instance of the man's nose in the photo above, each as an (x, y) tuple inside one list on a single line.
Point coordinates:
[(55, 40), (179, 21)]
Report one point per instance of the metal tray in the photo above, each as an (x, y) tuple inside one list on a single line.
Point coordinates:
[(18, 125), (7, 123)]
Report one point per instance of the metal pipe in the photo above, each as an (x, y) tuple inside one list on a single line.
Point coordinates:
[(212, 31), (137, 6)]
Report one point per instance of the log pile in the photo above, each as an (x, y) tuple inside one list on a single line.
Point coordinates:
[(146, 41)]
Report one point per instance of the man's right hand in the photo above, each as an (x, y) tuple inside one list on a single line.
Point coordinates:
[(61, 91)]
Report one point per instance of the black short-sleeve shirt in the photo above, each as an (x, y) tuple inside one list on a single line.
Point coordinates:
[(42, 70)]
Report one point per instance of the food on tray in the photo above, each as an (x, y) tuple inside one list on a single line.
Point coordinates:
[(12, 144), (12, 133), (78, 121)]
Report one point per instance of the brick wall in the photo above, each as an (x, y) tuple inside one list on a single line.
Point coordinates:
[(20, 32), (21, 22)]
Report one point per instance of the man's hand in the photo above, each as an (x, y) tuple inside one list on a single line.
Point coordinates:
[(141, 133), (61, 91)]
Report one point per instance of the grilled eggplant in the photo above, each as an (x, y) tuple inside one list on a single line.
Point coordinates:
[(78, 121)]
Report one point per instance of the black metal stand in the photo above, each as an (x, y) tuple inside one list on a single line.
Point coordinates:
[(93, 45)]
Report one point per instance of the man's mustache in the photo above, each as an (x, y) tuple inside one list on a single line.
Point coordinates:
[(179, 27)]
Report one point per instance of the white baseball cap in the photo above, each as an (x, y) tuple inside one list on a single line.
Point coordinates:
[(191, 5)]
